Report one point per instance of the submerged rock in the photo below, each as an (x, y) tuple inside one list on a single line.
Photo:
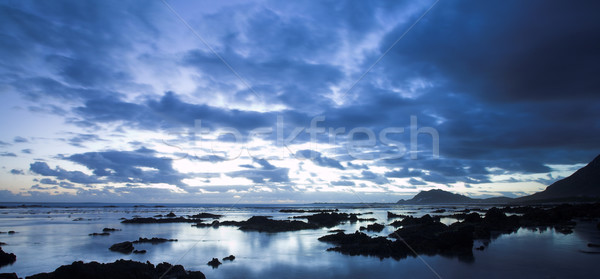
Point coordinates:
[(229, 258), (139, 251), (110, 230), (121, 269)]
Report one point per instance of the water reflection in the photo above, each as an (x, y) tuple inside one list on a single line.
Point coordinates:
[(47, 238)]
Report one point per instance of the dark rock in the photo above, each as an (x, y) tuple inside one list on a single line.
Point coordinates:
[(8, 276), (150, 220), (409, 220), (439, 211), (2, 243), (229, 258), (308, 210), (139, 251), (593, 245), (121, 269), (392, 215), (11, 232), (6, 258), (332, 219), (472, 218), (480, 248), (598, 226), (336, 231), (214, 224), (214, 263), (170, 215), (110, 230), (206, 216), (99, 234), (373, 227), (154, 240), (123, 247), (264, 224)]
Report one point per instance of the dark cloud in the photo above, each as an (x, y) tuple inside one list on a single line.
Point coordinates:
[(8, 154), (373, 177), (267, 173), (26, 151), (80, 140), (127, 166), (48, 181), (20, 140), (342, 183), (17, 172), (317, 158), (43, 169)]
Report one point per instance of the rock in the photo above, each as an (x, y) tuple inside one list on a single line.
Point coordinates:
[(472, 218), (6, 258), (331, 219), (409, 220), (439, 211), (154, 240), (123, 247), (264, 224), (214, 224), (206, 216), (229, 258), (99, 234), (480, 248), (150, 220), (139, 251), (170, 215), (336, 231), (373, 227), (308, 210), (598, 226), (8, 276), (593, 245), (2, 243), (121, 269), (214, 263), (392, 215), (110, 230)]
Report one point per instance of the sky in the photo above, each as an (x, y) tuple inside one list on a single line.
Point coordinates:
[(294, 101)]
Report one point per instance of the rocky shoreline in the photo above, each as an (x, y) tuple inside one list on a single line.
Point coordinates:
[(120, 269)]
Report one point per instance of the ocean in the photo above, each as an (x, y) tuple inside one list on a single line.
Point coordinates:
[(48, 235)]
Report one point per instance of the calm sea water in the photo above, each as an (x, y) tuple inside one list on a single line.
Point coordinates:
[(48, 237)]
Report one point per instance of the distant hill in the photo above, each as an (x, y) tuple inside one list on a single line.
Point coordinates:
[(444, 197), (584, 183)]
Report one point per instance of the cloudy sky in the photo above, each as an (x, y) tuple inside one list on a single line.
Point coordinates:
[(294, 101)]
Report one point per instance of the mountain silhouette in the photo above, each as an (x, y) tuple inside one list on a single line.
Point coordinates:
[(584, 183), (437, 196)]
